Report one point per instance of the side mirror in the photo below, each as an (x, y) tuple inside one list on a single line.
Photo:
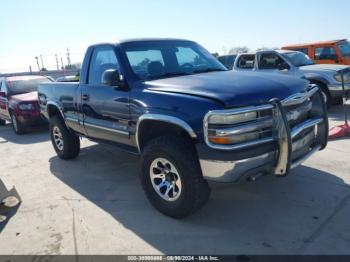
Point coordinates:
[(2, 94), (111, 77)]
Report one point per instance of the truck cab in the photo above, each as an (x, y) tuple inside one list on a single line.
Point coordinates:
[(188, 118), (329, 52)]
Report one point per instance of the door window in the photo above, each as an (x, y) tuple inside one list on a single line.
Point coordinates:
[(325, 53), (272, 61), (103, 58), (246, 62)]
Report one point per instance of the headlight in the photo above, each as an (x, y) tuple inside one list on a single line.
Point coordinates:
[(338, 77), (26, 107), (232, 119), (214, 135)]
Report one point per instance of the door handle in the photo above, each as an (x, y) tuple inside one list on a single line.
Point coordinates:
[(85, 97)]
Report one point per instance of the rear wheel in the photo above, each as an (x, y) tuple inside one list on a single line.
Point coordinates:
[(65, 143), (172, 178), (18, 127)]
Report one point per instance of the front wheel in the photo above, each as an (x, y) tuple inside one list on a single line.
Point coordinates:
[(172, 178), (16, 125), (2, 122), (65, 143)]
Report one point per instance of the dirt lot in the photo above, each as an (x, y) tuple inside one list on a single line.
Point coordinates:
[(95, 205)]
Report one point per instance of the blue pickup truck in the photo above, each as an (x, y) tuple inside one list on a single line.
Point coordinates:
[(188, 117)]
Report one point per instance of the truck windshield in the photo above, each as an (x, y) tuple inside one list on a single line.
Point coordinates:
[(16, 87), (162, 59), (344, 48), (298, 58)]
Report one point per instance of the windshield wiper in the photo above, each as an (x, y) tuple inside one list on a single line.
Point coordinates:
[(207, 70)]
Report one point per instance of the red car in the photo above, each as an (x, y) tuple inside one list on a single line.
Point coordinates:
[(19, 101)]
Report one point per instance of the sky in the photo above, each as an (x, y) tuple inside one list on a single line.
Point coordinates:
[(37, 27)]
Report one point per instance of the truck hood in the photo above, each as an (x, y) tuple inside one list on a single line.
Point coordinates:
[(233, 89), (323, 67), (27, 97)]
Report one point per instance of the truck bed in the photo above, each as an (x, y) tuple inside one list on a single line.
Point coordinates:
[(62, 94)]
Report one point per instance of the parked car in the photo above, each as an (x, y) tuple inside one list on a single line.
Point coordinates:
[(188, 117), (227, 60), (299, 65), (330, 52), (19, 101)]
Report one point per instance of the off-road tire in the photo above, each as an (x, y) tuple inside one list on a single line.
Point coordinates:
[(181, 153), (70, 141)]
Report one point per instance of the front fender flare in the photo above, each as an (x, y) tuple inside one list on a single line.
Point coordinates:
[(163, 118)]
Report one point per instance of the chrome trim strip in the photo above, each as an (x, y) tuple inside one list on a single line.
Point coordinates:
[(237, 111), (244, 128), (72, 119), (307, 124), (305, 157), (163, 118), (107, 129), (299, 97)]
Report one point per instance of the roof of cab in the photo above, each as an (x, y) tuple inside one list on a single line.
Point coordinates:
[(150, 40), (133, 40), (331, 42)]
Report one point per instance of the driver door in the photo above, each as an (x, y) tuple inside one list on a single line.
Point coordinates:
[(105, 109)]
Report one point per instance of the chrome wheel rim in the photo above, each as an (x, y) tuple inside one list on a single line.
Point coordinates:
[(14, 122), (165, 179), (57, 137)]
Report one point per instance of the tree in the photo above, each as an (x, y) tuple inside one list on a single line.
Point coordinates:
[(215, 54), (238, 50)]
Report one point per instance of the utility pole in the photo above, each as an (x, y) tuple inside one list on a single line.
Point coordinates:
[(68, 58), (42, 61), (57, 64), (30, 69), (62, 65), (37, 62)]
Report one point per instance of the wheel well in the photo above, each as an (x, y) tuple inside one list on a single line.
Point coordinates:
[(150, 129), (52, 110)]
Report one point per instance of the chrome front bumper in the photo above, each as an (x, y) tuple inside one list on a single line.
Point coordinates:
[(288, 148)]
